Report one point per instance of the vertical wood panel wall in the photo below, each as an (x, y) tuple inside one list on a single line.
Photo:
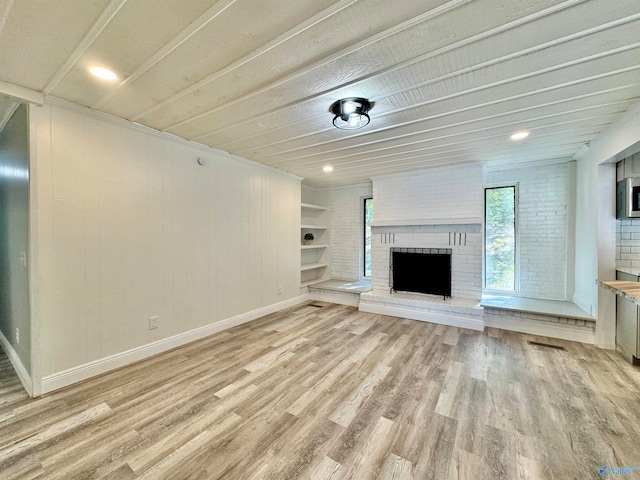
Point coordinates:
[(130, 226)]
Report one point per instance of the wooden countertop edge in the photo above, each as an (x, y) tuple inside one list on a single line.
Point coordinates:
[(626, 289)]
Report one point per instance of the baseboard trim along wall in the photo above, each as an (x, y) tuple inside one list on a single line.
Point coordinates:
[(21, 371), (73, 375)]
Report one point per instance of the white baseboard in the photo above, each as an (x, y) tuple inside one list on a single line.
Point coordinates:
[(544, 329), (21, 371), (350, 299), (451, 319), (82, 372)]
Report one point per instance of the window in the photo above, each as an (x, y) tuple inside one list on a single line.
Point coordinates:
[(500, 238), (368, 218)]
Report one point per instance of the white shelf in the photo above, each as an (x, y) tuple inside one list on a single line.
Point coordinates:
[(428, 221), (312, 266), (309, 206), (307, 247), (313, 227)]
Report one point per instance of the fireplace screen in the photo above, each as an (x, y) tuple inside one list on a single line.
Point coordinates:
[(421, 270)]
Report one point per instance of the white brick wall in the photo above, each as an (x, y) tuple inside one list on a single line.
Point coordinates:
[(346, 205), (466, 259), (628, 243), (436, 193), (543, 227)]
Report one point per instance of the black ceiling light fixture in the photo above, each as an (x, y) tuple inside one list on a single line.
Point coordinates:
[(351, 113)]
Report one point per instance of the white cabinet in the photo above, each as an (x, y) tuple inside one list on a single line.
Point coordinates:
[(314, 256)]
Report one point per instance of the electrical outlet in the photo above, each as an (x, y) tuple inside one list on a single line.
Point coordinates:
[(153, 323), (279, 289), (17, 335)]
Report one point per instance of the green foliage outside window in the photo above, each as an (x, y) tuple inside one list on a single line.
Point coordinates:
[(500, 244), (368, 218)]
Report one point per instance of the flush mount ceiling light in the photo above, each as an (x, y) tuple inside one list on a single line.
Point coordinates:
[(351, 113), (520, 135), (327, 168), (103, 73)]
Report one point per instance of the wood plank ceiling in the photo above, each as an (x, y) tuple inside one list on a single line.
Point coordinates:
[(450, 80)]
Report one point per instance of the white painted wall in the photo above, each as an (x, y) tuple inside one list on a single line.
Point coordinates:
[(545, 232), (595, 220), (130, 226), (14, 241)]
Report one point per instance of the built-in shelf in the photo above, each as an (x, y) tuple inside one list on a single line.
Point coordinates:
[(314, 258), (309, 206), (428, 221), (313, 227), (312, 266)]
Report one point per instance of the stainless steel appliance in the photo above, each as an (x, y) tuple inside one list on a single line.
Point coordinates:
[(628, 198), (627, 324)]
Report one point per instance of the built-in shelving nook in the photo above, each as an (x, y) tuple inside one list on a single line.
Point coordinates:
[(314, 254)]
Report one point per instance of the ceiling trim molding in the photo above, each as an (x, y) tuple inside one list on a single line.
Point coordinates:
[(21, 93), (91, 36), (440, 51), (202, 21), (288, 35), (13, 106), (79, 109), (326, 60)]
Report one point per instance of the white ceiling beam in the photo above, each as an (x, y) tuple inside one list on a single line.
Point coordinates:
[(434, 53), (472, 107), (360, 145), (326, 60), (594, 122), (297, 30), (21, 93), (91, 36), (447, 76), (193, 28), (451, 145)]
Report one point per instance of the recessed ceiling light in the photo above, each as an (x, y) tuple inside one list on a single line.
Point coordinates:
[(327, 168), (103, 73), (520, 135)]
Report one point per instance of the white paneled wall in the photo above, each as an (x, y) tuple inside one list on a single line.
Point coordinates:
[(544, 227), (131, 226)]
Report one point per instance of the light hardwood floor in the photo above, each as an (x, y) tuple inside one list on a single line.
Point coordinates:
[(331, 393)]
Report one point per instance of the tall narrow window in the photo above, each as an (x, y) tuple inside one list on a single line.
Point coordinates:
[(500, 238), (368, 218)]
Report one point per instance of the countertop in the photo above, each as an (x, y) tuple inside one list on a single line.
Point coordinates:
[(628, 290)]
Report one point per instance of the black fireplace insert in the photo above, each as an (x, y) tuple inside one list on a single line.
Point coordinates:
[(421, 270)]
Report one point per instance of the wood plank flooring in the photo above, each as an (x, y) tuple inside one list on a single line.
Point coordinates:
[(332, 393)]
